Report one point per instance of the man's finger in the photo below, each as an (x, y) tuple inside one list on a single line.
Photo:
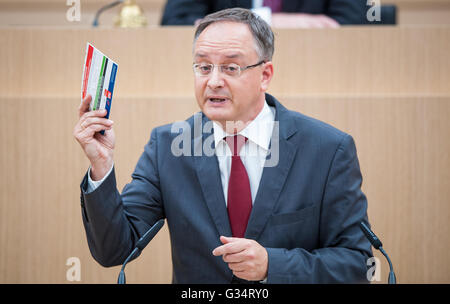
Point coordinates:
[(233, 247), (234, 257), (84, 106), (238, 267), (97, 113), (95, 120), (228, 239), (92, 129)]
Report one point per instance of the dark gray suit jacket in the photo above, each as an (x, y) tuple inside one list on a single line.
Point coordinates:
[(185, 12), (306, 211)]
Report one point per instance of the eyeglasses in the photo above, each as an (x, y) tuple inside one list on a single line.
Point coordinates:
[(232, 69)]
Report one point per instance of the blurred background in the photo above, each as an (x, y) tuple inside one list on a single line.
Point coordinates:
[(53, 12), (381, 75)]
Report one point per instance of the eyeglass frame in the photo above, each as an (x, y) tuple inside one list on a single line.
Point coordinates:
[(241, 69)]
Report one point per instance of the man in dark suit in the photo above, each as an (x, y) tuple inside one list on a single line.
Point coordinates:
[(292, 13), (251, 191)]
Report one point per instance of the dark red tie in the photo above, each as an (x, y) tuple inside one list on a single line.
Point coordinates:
[(239, 195)]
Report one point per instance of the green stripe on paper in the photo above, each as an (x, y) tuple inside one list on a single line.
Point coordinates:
[(99, 85)]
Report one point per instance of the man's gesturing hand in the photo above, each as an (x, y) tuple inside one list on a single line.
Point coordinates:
[(97, 147), (246, 258)]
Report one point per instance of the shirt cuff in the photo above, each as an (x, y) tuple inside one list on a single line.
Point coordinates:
[(92, 185)]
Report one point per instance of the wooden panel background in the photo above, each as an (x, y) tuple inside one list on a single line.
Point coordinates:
[(158, 62), (403, 147), (387, 87)]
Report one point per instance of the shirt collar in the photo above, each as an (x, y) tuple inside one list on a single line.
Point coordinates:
[(258, 131)]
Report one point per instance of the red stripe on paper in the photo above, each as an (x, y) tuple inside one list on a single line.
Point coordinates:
[(87, 69)]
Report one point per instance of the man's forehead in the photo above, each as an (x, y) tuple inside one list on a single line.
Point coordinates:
[(221, 28), (231, 39)]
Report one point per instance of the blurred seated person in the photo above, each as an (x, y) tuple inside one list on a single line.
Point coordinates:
[(284, 13)]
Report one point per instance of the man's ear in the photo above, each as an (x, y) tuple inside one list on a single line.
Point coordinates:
[(266, 76)]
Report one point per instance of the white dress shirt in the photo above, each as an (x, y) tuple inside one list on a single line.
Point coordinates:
[(253, 153), (92, 185)]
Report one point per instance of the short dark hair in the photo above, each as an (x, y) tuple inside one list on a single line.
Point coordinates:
[(261, 31)]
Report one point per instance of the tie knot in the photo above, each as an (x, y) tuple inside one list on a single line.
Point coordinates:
[(235, 143)]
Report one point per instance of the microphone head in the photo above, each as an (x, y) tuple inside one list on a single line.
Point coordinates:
[(373, 239)]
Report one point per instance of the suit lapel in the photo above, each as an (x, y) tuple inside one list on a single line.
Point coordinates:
[(208, 173), (271, 184), (273, 178)]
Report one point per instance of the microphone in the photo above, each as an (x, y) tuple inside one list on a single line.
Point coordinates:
[(376, 243), (102, 9), (143, 241)]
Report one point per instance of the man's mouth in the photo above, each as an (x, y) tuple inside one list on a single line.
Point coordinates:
[(217, 100)]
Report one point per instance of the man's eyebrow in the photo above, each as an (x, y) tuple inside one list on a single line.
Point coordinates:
[(231, 56), (200, 55), (236, 55)]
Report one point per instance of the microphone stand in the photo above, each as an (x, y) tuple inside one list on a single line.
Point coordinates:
[(140, 245), (102, 9), (376, 243), (121, 279), (391, 278)]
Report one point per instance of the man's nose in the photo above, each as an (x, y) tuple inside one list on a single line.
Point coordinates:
[(216, 79)]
